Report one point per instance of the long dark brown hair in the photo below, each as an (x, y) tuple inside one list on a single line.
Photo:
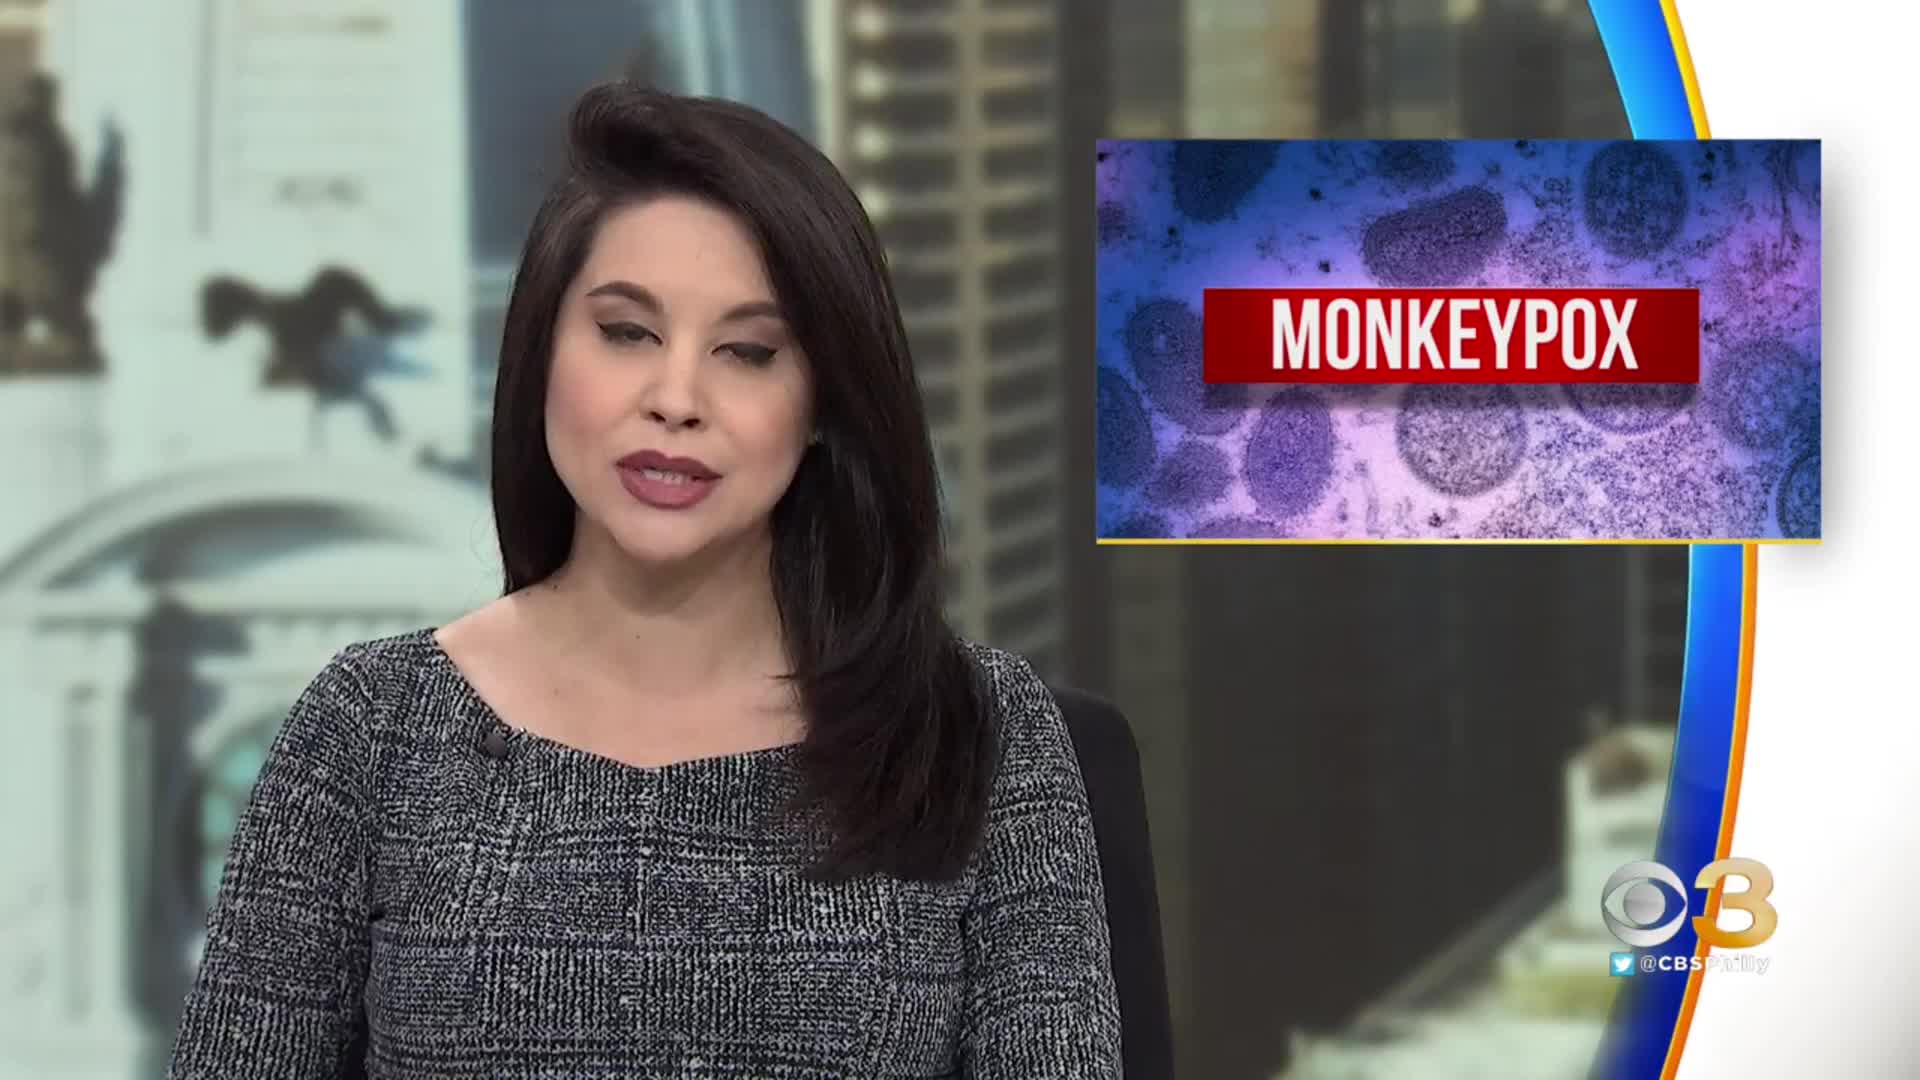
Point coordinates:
[(900, 742)]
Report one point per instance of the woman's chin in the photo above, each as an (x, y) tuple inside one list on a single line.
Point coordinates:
[(668, 545)]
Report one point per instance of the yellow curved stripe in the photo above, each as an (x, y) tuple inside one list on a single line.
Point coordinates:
[(1696, 104)]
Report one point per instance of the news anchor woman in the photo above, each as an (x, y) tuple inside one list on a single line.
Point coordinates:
[(713, 789)]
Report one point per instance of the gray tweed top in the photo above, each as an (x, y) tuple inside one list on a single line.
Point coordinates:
[(416, 890)]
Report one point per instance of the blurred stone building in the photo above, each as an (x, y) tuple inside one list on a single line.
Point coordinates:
[(185, 540)]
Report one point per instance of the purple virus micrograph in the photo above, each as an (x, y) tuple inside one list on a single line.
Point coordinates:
[(1461, 440), (1211, 179), (1163, 344), (1442, 241), (1798, 501), (1635, 199), (1123, 450), (1414, 163), (1632, 408), (1144, 526), (1289, 457), (1194, 474), (1758, 393), (1236, 527), (1113, 224), (1733, 457)]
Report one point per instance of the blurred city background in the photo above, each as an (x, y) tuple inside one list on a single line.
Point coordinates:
[(254, 256)]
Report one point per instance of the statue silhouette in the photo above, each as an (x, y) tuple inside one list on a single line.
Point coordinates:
[(315, 341), (68, 237), (173, 699)]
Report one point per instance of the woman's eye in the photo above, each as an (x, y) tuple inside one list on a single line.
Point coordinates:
[(625, 333), (757, 355)]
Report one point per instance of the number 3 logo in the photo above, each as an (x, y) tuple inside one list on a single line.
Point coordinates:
[(1752, 900)]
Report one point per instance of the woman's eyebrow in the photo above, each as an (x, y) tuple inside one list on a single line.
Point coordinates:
[(640, 294)]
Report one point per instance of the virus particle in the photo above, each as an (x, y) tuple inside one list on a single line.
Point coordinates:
[(1797, 503), (1123, 446), (1759, 393), (1551, 254), (1212, 178), (1461, 440), (1630, 408), (1440, 241), (1195, 474), (1636, 199), (1413, 163), (1289, 459), (1163, 343), (1671, 485)]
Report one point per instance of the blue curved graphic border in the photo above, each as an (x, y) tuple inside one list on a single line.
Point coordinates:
[(1647, 1030), (1646, 67)]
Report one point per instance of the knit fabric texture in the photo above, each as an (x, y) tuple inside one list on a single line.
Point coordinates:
[(418, 890)]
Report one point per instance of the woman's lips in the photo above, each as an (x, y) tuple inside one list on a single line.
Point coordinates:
[(665, 482), (664, 489)]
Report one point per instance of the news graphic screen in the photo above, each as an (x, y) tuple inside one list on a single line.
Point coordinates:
[(1452, 340)]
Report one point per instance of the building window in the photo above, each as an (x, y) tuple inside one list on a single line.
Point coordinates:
[(942, 404), (1020, 277), (918, 231), (1019, 48), (918, 289), (916, 51), (1020, 447), (1017, 105), (912, 173), (933, 349), (1019, 504), (1023, 560), (1020, 162), (1021, 219), (1021, 333), (1019, 389), (910, 110)]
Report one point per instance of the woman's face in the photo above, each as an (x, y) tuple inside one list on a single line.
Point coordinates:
[(679, 404)]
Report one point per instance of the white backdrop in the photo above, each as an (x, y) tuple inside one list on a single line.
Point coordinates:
[(1831, 795)]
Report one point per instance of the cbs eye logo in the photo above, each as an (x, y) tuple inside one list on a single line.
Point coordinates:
[(1653, 903)]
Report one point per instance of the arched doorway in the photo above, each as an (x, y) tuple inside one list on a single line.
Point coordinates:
[(149, 646)]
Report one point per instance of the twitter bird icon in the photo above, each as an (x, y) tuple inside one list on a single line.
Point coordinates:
[(1622, 963)]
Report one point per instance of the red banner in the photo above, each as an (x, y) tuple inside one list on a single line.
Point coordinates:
[(1452, 336)]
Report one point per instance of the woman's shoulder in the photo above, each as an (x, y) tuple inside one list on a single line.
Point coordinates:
[(1032, 730), (372, 664), (369, 678)]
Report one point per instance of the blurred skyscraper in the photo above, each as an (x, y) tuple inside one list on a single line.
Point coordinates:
[(1144, 77), (1250, 68), (1463, 69), (944, 117)]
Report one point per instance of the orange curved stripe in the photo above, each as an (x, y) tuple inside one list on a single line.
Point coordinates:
[(1736, 760)]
